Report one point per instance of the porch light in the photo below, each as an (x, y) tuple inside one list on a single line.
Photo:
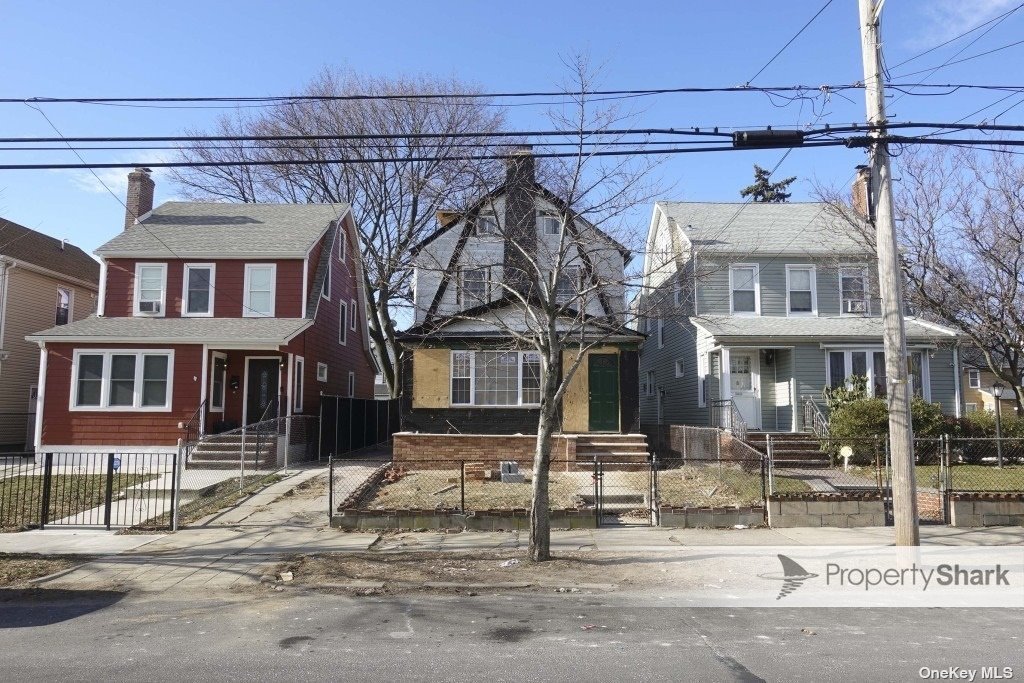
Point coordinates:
[(997, 390)]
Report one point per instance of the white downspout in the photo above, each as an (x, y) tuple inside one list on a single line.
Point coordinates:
[(956, 381), (101, 305), (40, 399)]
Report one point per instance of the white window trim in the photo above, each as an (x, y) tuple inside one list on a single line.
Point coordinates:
[(184, 289), (460, 293), (298, 383), (970, 407), (163, 290), (247, 311), (544, 216), (490, 215), (71, 304), (351, 384), (137, 406), (342, 243), (321, 372), (702, 375), (757, 289), (472, 379), (325, 291), (352, 315), (864, 273), (224, 384), (677, 293), (814, 291), (650, 379), (343, 323), (925, 379), (680, 367), (973, 375), (661, 333)]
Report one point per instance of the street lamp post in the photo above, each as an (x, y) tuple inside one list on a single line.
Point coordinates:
[(997, 391)]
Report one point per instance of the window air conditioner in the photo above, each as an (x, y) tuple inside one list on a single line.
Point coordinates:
[(856, 306), (149, 306)]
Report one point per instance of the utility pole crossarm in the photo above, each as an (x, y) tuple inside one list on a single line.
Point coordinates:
[(901, 436)]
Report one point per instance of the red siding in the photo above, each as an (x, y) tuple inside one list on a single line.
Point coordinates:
[(62, 426), (229, 282)]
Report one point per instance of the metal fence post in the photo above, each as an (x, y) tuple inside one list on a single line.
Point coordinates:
[(770, 465), (44, 512), (241, 462), (176, 485), (462, 487), (330, 488), (287, 441), (109, 495), (320, 434)]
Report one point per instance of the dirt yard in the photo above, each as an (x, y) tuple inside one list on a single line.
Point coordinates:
[(17, 570), (717, 485), (430, 489), (402, 572)]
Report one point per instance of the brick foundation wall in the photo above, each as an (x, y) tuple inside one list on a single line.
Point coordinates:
[(986, 509), (490, 449), (826, 510)]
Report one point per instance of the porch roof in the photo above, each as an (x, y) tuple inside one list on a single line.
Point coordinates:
[(725, 328), (233, 331)]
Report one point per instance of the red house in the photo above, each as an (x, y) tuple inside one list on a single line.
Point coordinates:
[(212, 313)]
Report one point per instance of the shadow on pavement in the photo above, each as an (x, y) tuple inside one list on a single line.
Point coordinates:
[(35, 607)]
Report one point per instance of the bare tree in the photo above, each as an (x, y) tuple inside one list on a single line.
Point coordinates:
[(557, 289), (395, 184), (960, 218)]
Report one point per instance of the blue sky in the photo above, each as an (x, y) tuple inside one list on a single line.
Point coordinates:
[(271, 48)]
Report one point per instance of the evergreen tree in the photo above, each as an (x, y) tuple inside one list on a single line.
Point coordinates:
[(763, 190)]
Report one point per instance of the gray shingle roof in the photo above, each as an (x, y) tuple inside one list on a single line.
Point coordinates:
[(814, 329), (210, 230), (30, 246), (758, 228), (184, 330)]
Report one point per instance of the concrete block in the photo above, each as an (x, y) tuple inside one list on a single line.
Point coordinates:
[(774, 507), (820, 507), (846, 507), (794, 507), (864, 519), (798, 520), (995, 520), (700, 519)]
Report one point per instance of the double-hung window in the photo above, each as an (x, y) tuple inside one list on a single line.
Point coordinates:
[(218, 382), (549, 224), (495, 378), (342, 323), (474, 286), (122, 380), (870, 364), (743, 286), (63, 316), (298, 384), (568, 285), (853, 281), (197, 299), (649, 383), (974, 379), (801, 290), (486, 224), (260, 285), (150, 288)]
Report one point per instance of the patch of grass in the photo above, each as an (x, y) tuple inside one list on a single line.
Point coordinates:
[(222, 495), (717, 485), (430, 489), (974, 477), (16, 570), (21, 497)]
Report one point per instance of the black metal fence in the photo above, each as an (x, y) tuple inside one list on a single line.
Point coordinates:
[(351, 424), (86, 489)]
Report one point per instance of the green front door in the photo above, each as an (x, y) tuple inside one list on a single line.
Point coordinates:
[(603, 375)]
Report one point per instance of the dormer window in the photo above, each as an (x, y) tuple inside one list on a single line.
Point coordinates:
[(486, 224), (260, 280), (549, 224), (743, 285), (568, 285), (150, 289)]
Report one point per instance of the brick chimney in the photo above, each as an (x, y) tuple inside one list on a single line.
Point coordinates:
[(140, 196), (860, 193), (520, 219)]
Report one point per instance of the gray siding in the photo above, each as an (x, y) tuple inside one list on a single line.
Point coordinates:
[(943, 383), (768, 375), (680, 399)]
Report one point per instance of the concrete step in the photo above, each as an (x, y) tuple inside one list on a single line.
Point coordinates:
[(803, 464)]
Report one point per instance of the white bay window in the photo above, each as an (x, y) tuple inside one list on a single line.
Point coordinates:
[(870, 364), (495, 378), (122, 380)]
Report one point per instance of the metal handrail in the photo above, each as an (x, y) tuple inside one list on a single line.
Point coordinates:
[(726, 415), (815, 418), (194, 429)]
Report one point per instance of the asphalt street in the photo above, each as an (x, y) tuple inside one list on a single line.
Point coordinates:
[(268, 635)]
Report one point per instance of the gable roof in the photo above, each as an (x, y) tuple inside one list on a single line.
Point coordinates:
[(223, 230), (451, 219), (762, 228), (40, 250)]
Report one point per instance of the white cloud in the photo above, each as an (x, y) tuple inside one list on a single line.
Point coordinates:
[(115, 180), (944, 19)]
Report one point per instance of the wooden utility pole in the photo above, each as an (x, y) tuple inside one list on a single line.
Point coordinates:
[(890, 285)]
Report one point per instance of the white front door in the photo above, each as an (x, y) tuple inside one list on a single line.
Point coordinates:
[(743, 380)]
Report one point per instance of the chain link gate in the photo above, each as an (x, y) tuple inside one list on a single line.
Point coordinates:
[(624, 493)]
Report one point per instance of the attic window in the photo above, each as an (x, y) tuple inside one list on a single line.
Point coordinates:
[(549, 224), (486, 224)]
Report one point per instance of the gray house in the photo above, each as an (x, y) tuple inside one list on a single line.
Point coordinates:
[(751, 310)]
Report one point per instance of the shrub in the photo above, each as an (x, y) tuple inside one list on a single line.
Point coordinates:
[(856, 423)]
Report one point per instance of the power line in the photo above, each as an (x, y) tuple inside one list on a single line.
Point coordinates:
[(957, 37), (965, 59), (790, 41)]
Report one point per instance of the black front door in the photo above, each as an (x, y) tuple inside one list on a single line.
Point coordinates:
[(264, 374)]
